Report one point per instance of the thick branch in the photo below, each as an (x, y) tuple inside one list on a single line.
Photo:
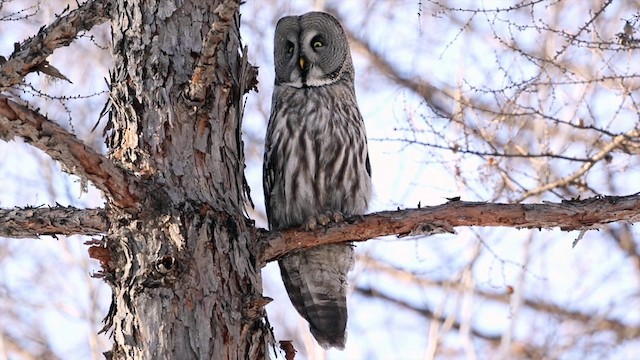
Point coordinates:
[(31, 55), (567, 215), (35, 222), (74, 156)]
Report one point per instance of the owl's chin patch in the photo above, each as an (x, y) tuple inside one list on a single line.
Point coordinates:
[(318, 82), (299, 84), (310, 77), (314, 76)]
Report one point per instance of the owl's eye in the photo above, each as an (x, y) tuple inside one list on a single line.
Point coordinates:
[(290, 48), (317, 42)]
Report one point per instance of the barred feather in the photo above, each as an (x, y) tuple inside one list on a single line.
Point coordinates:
[(316, 161), (315, 157)]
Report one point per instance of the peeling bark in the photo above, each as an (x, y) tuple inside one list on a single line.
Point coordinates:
[(185, 289), (568, 215), (60, 220), (181, 257)]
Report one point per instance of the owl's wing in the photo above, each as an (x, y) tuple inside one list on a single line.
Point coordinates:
[(367, 164), (267, 182), (269, 167)]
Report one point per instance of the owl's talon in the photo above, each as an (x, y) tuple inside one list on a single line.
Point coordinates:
[(311, 223), (337, 216), (323, 220)]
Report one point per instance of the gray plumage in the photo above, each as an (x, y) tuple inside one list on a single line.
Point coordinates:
[(316, 165)]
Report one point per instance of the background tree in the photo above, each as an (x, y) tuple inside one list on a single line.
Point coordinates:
[(525, 102)]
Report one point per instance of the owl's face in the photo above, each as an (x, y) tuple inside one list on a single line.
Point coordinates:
[(311, 50)]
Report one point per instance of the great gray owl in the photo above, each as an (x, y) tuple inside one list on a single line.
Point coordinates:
[(316, 165)]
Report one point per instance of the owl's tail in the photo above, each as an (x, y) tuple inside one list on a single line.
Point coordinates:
[(316, 281)]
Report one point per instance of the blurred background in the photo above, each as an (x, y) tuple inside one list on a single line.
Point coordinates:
[(497, 101)]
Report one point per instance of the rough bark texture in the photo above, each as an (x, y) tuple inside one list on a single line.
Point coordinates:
[(186, 284), (61, 220), (179, 252)]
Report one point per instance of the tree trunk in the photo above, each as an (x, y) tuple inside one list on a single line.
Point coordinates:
[(186, 283)]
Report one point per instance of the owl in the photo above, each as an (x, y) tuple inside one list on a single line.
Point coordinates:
[(316, 164)]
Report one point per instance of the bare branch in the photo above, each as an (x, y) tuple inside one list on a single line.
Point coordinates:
[(615, 143), (426, 312), (31, 55), (567, 215), (440, 101), (601, 321), (204, 74), (74, 156), (60, 220)]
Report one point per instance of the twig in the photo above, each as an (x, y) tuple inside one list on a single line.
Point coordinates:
[(602, 322), (31, 55), (74, 156), (615, 143), (426, 312), (441, 101)]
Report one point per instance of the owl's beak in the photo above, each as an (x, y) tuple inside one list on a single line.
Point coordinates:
[(301, 62)]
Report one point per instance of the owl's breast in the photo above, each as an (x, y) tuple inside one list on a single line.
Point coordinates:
[(323, 157)]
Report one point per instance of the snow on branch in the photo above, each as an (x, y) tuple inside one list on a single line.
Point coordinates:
[(74, 156), (34, 222), (31, 55), (592, 213)]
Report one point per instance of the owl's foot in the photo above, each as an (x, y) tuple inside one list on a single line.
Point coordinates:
[(323, 219)]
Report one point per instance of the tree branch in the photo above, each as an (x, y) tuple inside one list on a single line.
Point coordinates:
[(74, 156), (600, 321), (31, 55), (426, 312), (440, 101), (60, 220), (617, 142), (567, 215)]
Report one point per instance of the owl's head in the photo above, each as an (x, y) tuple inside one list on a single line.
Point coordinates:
[(311, 50)]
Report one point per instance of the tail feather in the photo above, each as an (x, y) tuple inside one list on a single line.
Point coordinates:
[(316, 281)]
